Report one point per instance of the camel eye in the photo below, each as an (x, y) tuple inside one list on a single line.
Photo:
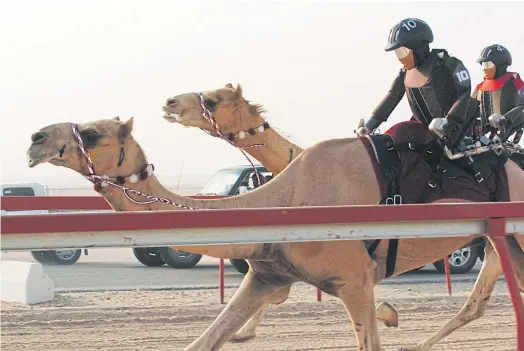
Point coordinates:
[(90, 137), (210, 104)]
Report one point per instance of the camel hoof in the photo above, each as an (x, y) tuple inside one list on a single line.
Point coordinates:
[(239, 338), (387, 314)]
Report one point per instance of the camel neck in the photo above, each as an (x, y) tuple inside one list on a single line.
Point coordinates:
[(151, 186), (276, 151)]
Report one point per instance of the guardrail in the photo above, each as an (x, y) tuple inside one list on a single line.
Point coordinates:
[(267, 225)]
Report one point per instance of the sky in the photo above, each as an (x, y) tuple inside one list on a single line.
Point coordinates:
[(316, 66)]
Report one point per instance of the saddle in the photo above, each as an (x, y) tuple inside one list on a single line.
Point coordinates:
[(411, 167), (411, 164)]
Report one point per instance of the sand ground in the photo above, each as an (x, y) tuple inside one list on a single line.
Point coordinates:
[(170, 320)]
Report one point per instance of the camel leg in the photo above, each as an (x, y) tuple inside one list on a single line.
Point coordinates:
[(248, 331), (384, 312), (359, 301), (252, 294), (475, 305)]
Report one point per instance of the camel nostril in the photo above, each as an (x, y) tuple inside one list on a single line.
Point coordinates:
[(171, 101), (39, 137)]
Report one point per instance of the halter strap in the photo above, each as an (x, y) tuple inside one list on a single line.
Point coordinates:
[(103, 181), (209, 116)]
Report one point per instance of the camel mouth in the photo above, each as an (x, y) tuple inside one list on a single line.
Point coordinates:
[(173, 117), (35, 159)]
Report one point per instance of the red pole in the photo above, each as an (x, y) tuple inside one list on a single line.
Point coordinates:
[(497, 231), (221, 280), (448, 274), (319, 295)]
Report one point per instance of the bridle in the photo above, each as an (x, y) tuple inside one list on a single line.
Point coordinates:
[(103, 181), (147, 170), (207, 114)]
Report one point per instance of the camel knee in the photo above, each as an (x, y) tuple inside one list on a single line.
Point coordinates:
[(474, 310)]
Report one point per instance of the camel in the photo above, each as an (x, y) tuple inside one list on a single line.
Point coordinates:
[(231, 117), (274, 152), (106, 153)]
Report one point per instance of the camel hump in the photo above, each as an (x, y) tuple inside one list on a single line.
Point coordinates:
[(411, 132)]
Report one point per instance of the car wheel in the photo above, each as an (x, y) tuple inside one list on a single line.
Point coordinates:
[(179, 259), (148, 257), (66, 257), (460, 261), (42, 256)]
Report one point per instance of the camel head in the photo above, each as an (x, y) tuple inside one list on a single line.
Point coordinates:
[(229, 108), (109, 143)]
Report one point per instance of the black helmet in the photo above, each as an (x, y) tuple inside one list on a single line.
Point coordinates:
[(497, 54), (410, 32)]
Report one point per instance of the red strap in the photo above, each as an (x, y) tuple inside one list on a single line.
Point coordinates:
[(494, 84)]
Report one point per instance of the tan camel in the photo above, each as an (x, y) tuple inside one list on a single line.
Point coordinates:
[(231, 118), (343, 269), (274, 153)]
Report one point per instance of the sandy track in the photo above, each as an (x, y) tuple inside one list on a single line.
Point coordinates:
[(170, 320)]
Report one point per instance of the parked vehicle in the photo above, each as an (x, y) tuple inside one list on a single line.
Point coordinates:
[(61, 257), (151, 257), (462, 260), (234, 181)]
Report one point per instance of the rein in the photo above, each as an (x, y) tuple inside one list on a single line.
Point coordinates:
[(206, 113), (103, 181)]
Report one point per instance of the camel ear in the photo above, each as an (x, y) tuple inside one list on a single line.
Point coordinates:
[(125, 129), (238, 91), (229, 85), (117, 118)]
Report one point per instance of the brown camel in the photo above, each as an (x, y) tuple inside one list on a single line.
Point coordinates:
[(343, 269), (274, 152), (233, 114)]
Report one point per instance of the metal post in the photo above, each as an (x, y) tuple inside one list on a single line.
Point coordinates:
[(448, 274), (221, 280), (497, 231)]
